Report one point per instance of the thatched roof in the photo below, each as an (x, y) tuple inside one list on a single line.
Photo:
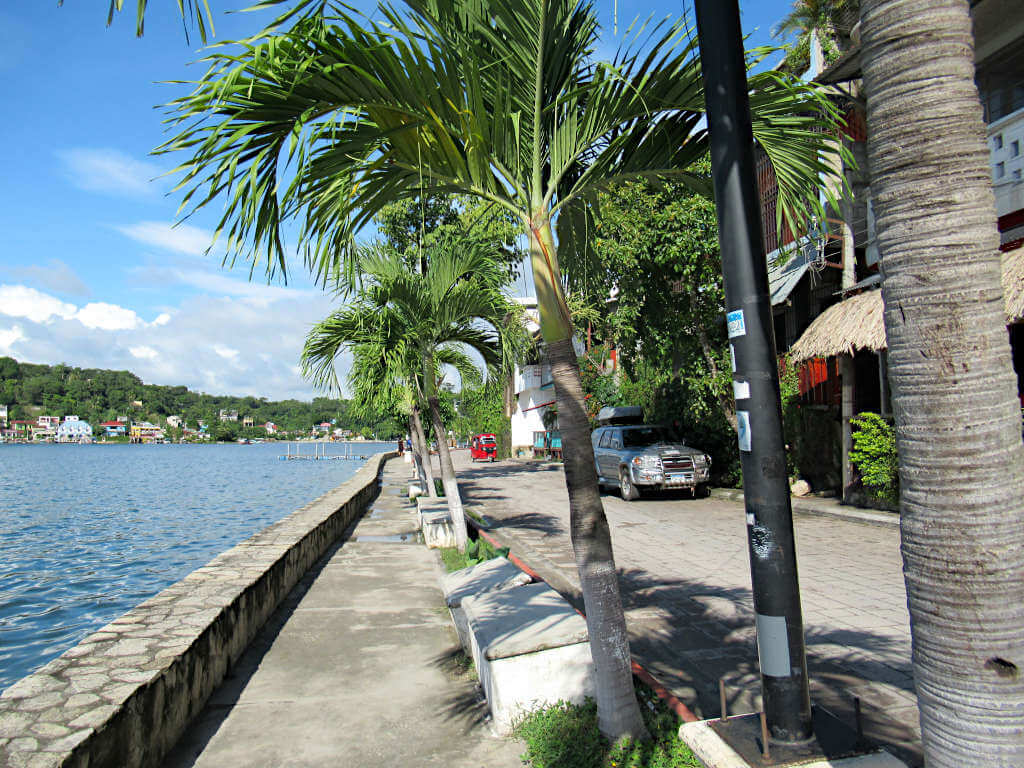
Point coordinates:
[(843, 329), (1013, 285), (857, 323)]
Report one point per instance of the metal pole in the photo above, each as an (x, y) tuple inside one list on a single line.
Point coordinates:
[(780, 636)]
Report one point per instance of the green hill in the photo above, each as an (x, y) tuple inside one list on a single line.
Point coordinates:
[(98, 395)]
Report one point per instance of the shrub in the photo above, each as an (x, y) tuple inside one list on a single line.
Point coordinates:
[(566, 736), (476, 552), (874, 455)]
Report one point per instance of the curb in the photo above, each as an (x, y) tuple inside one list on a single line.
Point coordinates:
[(671, 701), (809, 508)]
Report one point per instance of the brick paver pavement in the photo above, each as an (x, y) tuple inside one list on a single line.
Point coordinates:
[(685, 576)]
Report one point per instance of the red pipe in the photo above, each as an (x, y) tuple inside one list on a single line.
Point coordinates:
[(682, 711)]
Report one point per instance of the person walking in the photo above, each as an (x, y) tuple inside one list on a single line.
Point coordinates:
[(401, 446)]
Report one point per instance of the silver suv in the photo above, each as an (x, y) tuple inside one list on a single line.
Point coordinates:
[(635, 456)]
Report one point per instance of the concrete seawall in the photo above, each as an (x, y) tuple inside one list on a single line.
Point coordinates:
[(124, 695)]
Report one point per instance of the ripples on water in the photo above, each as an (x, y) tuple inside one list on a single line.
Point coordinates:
[(89, 532)]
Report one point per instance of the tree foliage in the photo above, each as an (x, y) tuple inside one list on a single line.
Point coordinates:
[(98, 395)]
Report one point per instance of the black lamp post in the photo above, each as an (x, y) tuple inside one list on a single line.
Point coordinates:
[(780, 635)]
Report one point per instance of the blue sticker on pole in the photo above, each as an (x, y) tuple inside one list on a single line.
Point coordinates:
[(734, 320)]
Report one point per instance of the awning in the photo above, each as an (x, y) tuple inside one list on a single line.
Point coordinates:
[(783, 278)]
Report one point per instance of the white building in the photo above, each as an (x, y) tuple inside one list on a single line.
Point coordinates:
[(74, 430), (174, 421), (534, 389)]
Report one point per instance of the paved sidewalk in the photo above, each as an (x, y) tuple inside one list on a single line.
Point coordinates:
[(685, 575), (356, 669)]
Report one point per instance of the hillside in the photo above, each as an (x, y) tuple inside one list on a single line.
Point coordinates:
[(98, 395)]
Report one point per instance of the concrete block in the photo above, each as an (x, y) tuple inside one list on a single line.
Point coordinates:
[(437, 529), (426, 504), (496, 573), (715, 753), (530, 648)]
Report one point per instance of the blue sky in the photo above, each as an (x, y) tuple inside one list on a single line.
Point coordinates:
[(92, 273)]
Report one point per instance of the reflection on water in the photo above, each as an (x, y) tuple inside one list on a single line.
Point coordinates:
[(89, 532)]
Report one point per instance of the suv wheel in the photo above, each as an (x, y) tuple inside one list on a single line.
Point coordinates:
[(626, 488)]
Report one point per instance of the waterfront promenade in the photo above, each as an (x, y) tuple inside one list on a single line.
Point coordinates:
[(357, 667), (686, 588)]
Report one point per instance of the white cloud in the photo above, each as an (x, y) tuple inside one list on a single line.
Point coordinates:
[(144, 353), (110, 170), (39, 307), (215, 344), (259, 294), (182, 238), (108, 317), (56, 276), (226, 352), (9, 337)]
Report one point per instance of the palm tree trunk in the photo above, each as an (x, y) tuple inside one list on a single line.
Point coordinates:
[(617, 710), (426, 465), (414, 451), (451, 485), (954, 390)]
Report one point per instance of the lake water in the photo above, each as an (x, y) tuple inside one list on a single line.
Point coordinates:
[(89, 532)]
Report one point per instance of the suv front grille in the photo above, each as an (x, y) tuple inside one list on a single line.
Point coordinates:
[(677, 463)]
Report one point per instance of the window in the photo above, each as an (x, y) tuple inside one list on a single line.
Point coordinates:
[(1014, 148), (616, 440), (1016, 175), (997, 141), (1000, 170), (606, 439)]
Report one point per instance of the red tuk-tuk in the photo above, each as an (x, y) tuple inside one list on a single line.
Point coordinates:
[(483, 447)]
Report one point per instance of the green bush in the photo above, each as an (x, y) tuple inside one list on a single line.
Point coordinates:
[(566, 736), (874, 455), (476, 552)]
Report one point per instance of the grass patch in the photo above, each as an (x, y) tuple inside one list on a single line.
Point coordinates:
[(566, 736), (476, 552), (439, 487)]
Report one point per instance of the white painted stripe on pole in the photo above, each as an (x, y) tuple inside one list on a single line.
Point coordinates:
[(741, 390), (773, 646), (743, 429)]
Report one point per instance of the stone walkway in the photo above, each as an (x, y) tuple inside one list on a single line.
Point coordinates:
[(685, 576), (357, 668)]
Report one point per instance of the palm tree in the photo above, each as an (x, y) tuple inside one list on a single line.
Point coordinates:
[(404, 326), (500, 100), (953, 385)]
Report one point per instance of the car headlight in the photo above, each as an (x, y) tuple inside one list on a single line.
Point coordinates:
[(648, 463)]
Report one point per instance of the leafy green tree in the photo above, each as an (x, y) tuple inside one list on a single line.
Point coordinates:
[(502, 101), (828, 20), (418, 322)]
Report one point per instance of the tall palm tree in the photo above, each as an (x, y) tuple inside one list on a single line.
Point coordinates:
[(501, 100), (404, 326), (953, 385)]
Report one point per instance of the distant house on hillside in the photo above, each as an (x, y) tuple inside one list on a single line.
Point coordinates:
[(74, 430), (175, 421), (23, 429), (270, 427), (228, 415), (3, 415), (144, 432), (114, 428), (248, 421)]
